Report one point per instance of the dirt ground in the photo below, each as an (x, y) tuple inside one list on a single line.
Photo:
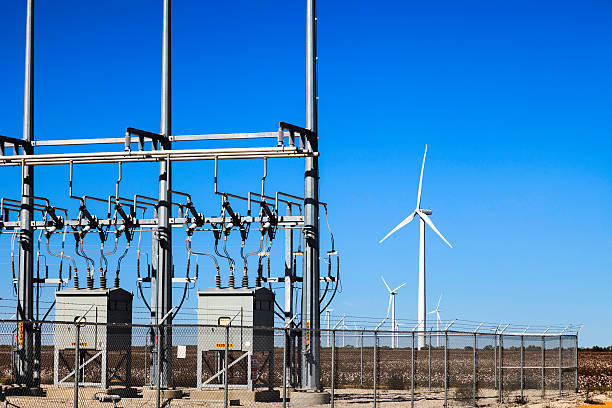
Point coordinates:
[(345, 398)]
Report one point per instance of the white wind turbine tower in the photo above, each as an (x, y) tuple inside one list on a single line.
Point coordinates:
[(423, 216), (391, 306), (437, 312)]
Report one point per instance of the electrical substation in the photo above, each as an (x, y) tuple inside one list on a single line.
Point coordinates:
[(88, 291)]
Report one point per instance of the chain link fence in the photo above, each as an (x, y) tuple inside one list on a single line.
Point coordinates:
[(223, 365)]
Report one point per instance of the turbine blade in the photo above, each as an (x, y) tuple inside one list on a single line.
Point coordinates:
[(389, 307), (425, 218), (439, 300), (385, 282), (396, 289), (421, 180), (400, 225)]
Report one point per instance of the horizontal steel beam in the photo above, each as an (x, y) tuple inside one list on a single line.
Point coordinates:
[(284, 221), (153, 156), (177, 138)]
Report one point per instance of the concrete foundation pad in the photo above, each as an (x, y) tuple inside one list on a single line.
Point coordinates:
[(308, 398), (87, 393), (151, 393), (23, 391), (235, 394)]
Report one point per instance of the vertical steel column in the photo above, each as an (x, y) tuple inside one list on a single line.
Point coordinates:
[(543, 367), (576, 364), (162, 288), (522, 368), (333, 367), (412, 372), (311, 356), (445, 368), (25, 301), (375, 363), (289, 278)]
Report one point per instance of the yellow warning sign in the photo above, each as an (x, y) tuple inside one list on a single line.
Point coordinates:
[(307, 334), (20, 334), (81, 344), (222, 345)]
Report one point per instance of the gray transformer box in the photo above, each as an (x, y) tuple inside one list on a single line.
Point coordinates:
[(113, 305), (252, 307)]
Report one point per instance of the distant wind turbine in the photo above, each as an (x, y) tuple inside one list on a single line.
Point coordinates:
[(423, 216), (391, 306), (437, 312)]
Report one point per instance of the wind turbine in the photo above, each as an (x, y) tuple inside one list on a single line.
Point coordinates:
[(423, 216), (437, 312), (391, 306)]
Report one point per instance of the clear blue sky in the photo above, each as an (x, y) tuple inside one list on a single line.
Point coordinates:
[(514, 100)]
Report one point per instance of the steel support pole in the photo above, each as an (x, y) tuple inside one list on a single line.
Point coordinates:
[(543, 367), (289, 278), (445, 369), (333, 367), (161, 288), (311, 356), (522, 373), (25, 301), (412, 372), (375, 364), (475, 372)]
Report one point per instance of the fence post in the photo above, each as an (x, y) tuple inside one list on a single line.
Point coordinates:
[(375, 362), (361, 373), (429, 363), (560, 364), (500, 385), (576, 363), (522, 368), (333, 366), (543, 367), (445, 368), (158, 367), (412, 372), (495, 385), (226, 369), (286, 335), (77, 370), (474, 373)]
